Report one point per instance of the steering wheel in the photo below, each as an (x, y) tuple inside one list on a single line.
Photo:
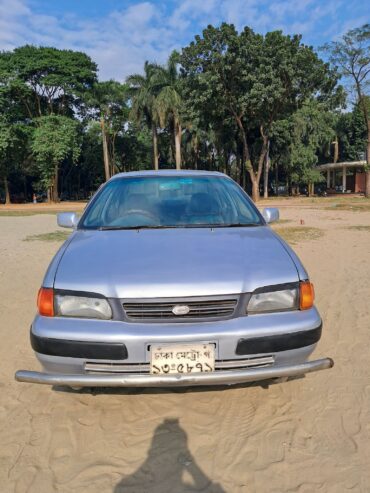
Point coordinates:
[(141, 212), (152, 220)]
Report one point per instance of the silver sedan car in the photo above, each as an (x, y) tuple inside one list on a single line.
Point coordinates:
[(173, 278)]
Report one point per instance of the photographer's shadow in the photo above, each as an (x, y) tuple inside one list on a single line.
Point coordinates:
[(169, 466)]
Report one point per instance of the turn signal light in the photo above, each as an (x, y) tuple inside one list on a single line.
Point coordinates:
[(45, 302), (306, 295)]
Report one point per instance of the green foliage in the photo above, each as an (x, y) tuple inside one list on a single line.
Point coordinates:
[(313, 127), (55, 138), (134, 149), (14, 133), (167, 86), (6, 137), (227, 98), (259, 78), (256, 80), (47, 80), (352, 134), (108, 100), (298, 141), (143, 91), (351, 58)]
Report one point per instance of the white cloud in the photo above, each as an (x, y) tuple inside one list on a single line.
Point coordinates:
[(123, 39), (119, 42)]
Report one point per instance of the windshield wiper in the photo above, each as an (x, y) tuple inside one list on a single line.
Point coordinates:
[(235, 225), (179, 226), (117, 228)]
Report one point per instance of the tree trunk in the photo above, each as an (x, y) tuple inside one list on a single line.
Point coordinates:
[(266, 173), (336, 150), (239, 165), (255, 176), (246, 164), (55, 195), (105, 150), (255, 189), (6, 188), (196, 153), (276, 178), (155, 147), (226, 162), (367, 175), (177, 144)]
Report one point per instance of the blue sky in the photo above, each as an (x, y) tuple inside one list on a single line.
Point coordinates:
[(120, 35)]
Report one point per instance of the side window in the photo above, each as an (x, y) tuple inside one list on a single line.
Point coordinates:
[(245, 213), (227, 205), (244, 210)]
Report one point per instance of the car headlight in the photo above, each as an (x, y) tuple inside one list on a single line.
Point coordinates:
[(274, 300), (66, 305)]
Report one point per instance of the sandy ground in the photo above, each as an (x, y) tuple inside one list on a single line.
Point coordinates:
[(307, 435)]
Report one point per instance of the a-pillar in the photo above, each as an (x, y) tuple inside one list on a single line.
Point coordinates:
[(344, 179)]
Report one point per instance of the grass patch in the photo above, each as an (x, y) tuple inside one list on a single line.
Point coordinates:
[(55, 236), (295, 234), (363, 206), (359, 228)]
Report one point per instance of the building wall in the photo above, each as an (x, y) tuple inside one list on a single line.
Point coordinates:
[(360, 182), (351, 182)]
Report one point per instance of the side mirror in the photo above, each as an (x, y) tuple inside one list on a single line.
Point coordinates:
[(270, 214), (67, 219)]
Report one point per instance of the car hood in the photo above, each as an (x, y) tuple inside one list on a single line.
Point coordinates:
[(174, 262)]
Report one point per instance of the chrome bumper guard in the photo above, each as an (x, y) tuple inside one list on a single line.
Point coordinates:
[(227, 377)]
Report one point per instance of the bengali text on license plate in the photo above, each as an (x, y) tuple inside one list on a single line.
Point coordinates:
[(182, 358)]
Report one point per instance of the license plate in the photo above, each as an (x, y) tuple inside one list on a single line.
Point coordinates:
[(182, 358)]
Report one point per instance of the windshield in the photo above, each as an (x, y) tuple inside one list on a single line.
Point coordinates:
[(167, 201)]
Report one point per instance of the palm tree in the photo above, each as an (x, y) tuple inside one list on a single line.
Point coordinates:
[(143, 91), (168, 101), (110, 100)]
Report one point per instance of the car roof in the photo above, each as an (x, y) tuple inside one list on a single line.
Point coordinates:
[(167, 172)]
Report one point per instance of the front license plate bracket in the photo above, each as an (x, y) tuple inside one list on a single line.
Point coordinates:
[(182, 358)]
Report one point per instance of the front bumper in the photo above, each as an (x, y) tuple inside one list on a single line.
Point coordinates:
[(217, 378), (65, 347)]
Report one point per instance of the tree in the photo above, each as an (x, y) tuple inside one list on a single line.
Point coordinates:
[(313, 128), (6, 142), (255, 79), (14, 138), (46, 80), (351, 57), (143, 92), (352, 134), (168, 102), (55, 138), (299, 141), (108, 102)]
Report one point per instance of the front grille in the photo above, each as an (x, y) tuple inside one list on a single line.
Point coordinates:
[(144, 368), (154, 311)]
